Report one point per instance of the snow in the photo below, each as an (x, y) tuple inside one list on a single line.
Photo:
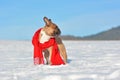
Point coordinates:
[(87, 60)]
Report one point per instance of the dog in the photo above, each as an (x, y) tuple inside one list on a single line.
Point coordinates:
[(51, 30)]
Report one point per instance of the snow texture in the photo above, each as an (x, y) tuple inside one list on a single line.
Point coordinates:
[(87, 60)]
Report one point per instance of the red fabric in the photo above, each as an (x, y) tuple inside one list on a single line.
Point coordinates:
[(39, 47)]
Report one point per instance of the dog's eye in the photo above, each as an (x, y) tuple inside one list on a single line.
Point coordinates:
[(56, 26)]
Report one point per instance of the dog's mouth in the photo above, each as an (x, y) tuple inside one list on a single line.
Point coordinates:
[(54, 34)]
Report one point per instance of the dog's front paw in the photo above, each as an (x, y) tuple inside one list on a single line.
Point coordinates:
[(48, 63)]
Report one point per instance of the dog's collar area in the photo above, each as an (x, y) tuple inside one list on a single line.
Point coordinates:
[(44, 37)]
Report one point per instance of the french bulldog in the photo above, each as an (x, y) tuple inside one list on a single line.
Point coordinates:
[(51, 30)]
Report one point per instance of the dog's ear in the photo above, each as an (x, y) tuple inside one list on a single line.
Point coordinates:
[(50, 20), (47, 21)]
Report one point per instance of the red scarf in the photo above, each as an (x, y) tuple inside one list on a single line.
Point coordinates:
[(39, 47)]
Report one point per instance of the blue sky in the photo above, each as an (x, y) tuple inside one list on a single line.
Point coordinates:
[(19, 19)]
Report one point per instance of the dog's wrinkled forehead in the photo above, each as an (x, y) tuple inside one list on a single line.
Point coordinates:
[(53, 25)]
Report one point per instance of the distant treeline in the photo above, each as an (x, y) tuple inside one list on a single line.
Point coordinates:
[(111, 34)]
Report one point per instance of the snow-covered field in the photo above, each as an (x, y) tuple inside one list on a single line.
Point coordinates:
[(87, 60)]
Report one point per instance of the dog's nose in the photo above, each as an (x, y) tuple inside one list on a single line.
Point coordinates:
[(58, 32)]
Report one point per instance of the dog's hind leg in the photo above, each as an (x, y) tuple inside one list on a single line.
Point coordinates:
[(62, 49)]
